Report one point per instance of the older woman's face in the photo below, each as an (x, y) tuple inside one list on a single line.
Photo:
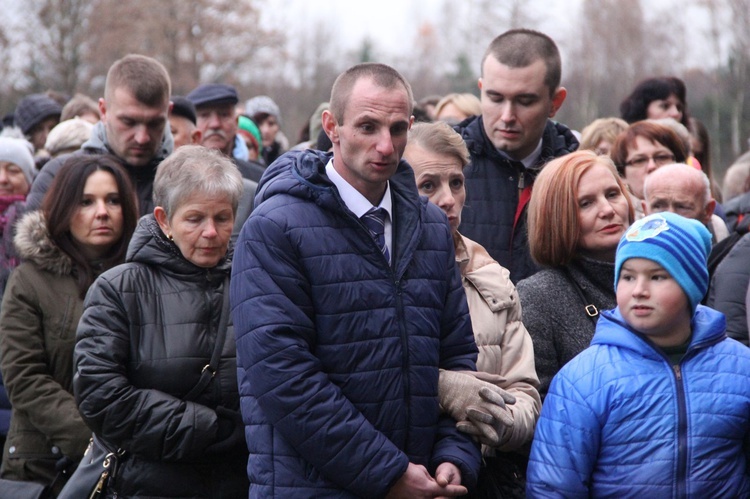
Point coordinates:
[(603, 213), (441, 179), (643, 158), (12, 180), (671, 107), (200, 227)]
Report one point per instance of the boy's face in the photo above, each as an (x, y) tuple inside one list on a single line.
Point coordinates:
[(653, 303)]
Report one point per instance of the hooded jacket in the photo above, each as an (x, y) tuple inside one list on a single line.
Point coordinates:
[(148, 328), (339, 351), (621, 421), (492, 199), (141, 176), (37, 333), (505, 347)]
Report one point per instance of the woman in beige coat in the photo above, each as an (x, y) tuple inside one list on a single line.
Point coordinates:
[(500, 403)]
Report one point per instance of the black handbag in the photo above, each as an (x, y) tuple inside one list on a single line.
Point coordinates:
[(12, 489), (99, 464), (89, 480)]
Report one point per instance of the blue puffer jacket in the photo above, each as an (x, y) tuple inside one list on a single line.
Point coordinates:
[(492, 183), (619, 421), (338, 352)]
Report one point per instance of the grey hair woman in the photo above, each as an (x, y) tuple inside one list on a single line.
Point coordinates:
[(155, 358)]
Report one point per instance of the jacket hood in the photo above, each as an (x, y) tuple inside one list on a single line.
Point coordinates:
[(557, 140), (302, 174), (708, 325), (34, 244), (150, 246), (98, 143)]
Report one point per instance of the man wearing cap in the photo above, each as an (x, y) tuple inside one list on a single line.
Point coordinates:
[(36, 115), (182, 122), (133, 128), (214, 104)]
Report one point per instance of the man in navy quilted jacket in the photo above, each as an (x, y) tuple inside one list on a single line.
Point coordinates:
[(346, 303)]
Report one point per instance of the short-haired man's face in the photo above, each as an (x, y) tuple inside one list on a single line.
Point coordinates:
[(134, 130), (368, 145), (681, 195), (184, 132), (218, 124), (516, 104)]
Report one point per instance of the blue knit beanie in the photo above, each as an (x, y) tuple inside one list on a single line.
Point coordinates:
[(680, 245)]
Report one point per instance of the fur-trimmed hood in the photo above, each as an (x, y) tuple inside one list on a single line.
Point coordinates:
[(34, 244)]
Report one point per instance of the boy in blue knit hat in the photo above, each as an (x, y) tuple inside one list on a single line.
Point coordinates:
[(659, 404)]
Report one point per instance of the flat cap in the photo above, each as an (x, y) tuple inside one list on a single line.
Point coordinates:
[(213, 93)]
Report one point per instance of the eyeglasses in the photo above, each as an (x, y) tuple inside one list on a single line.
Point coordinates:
[(660, 159)]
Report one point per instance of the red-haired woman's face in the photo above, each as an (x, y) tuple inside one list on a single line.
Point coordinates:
[(603, 214)]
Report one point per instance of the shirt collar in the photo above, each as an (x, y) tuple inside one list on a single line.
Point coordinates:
[(530, 160), (353, 199)]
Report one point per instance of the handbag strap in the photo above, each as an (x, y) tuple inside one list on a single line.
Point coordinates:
[(209, 370), (591, 311)]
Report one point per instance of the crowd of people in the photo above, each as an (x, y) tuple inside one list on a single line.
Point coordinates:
[(439, 297)]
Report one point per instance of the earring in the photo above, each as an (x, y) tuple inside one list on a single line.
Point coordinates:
[(169, 236)]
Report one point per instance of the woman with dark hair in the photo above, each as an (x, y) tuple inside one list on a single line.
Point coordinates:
[(641, 149), (155, 358), (656, 98), (83, 228), (577, 213)]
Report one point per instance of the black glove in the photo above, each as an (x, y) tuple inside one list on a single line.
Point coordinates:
[(230, 435)]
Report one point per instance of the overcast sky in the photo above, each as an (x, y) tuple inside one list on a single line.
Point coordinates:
[(391, 23)]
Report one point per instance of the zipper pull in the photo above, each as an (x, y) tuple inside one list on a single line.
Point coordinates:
[(521, 181), (677, 372)]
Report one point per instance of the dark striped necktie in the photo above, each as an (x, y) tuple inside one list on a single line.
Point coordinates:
[(374, 220)]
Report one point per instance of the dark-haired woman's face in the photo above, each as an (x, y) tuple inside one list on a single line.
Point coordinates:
[(671, 107), (97, 224)]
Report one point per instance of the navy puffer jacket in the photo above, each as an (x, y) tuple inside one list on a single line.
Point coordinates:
[(492, 183), (338, 352)]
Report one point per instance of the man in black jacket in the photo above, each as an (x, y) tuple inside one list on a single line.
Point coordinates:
[(214, 107), (510, 143), (133, 127)]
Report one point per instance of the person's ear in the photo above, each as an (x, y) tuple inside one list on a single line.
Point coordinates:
[(644, 207), (160, 215), (196, 136), (708, 211), (479, 84), (102, 109), (557, 100), (330, 126)]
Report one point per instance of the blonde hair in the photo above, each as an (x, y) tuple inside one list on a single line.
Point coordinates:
[(468, 104), (601, 129), (440, 138)]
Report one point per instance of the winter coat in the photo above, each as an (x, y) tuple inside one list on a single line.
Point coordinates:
[(621, 421), (339, 351), (554, 313), (492, 186), (505, 347), (38, 322), (147, 330), (141, 176), (728, 287)]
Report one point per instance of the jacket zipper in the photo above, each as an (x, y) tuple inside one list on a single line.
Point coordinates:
[(681, 432)]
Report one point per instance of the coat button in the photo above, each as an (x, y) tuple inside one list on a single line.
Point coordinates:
[(12, 449), (55, 449)]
